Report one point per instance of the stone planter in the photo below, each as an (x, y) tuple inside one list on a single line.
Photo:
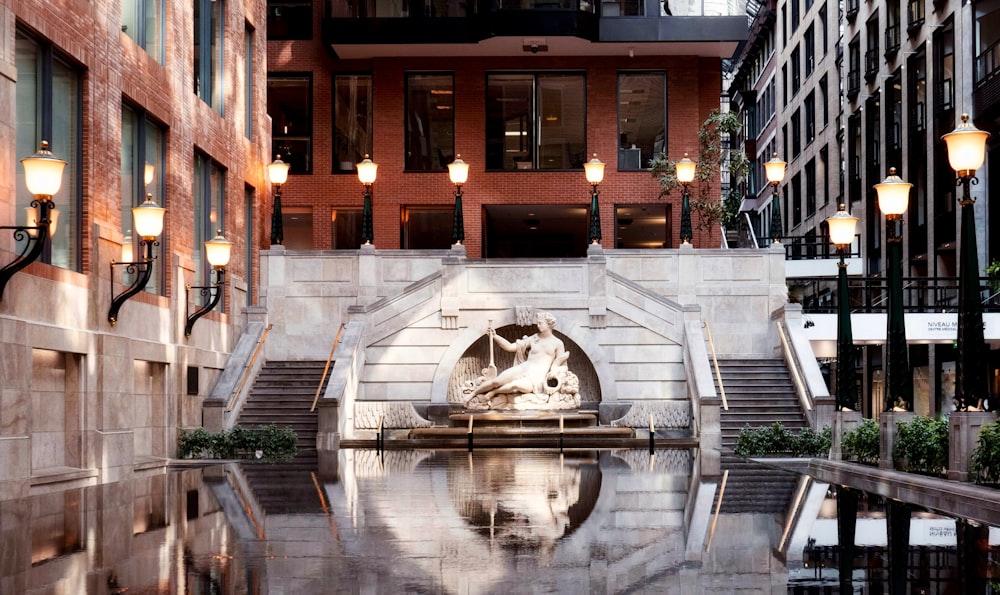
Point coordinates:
[(963, 436)]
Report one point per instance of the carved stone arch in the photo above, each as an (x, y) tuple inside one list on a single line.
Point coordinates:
[(469, 354)]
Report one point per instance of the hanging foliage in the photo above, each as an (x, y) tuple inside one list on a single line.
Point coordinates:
[(714, 152)]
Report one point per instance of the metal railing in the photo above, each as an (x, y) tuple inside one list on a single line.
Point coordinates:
[(326, 368), (818, 295), (246, 370)]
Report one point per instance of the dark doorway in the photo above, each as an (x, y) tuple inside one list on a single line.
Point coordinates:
[(535, 231)]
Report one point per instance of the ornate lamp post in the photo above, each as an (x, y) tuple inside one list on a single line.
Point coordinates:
[(685, 170), (775, 170), (966, 153), (893, 198), (217, 251), (458, 172), (367, 170), (43, 177), (842, 226), (277, 172), (147, 220), (594, 170)]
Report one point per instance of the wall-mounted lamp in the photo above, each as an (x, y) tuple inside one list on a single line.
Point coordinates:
[(775, 170), (458, 172), (147, 220), (594, 170), (367, 170), (218, 251), (685, 170), (277, 173), (43, 177)]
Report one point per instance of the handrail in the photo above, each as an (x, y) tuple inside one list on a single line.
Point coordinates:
[(718, 506), (715, 361), (246, 370), (326, 368), (794, 367)]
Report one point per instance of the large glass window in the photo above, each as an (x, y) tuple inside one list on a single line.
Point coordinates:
[(289, 101), (47, 96), (248, 112), (249, 208), (352, 115), (142, 20), (143, 172), (208, 48), (209, 210), (535, 121), (642, 118), (430, 121), (428, 227), (346, 228), (642, 226), (289, 19)]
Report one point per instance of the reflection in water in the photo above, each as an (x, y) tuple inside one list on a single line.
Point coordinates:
[(525, 507), (493, 521)]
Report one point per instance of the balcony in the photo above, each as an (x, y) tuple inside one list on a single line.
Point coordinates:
[(891, 40), (375, 28), (853, 83), (871, 64)]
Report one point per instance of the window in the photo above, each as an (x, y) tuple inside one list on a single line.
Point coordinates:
[(535, 121), (249, 208), (142, 20), (297, 223), (871, 51), (825, 101), (346, 229), (796, 134), (944, 67), (430, 121), (642, 118), (143, 171), (795, 14), (248, 111), (289, 99), (854, 67), (425, 228), (208, 48), (824, 165), (289, 19), (810, 188), (352, 116), (643, 226), (209, 210), (796, 190), (809, 111), (809, 43), (47, 96), (822, 22), (796, 81), (785, 83)]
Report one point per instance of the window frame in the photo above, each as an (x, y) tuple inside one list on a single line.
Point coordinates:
[(535, 123), (448, 155), (157, 187), (141, 36), (287, 155), (664, 141), (209, 59), (338, 152)]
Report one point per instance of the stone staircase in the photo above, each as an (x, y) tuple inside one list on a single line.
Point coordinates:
[(759, 392), (283, 394)]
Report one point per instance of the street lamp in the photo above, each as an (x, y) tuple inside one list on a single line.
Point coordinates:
[(458, 172), (685, 169), (43, 177), (277, 172), (842, 227), (217, 251), (966, 153), (147, 221), (594, 170), (775, 170), (893, 198), (367, 170)]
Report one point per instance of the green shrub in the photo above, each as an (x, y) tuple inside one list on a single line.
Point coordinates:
[(273, 443), (862, 443), (776, 439), (984, 468), (921, 445)]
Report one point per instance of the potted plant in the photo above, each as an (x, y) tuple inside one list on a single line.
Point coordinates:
[(992, 271)]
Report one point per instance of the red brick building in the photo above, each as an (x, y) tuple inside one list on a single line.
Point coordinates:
[(523, 94)]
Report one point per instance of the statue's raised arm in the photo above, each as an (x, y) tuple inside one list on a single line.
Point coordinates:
[(539, 373)]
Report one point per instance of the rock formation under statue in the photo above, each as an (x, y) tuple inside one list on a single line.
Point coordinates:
[(539, 379)]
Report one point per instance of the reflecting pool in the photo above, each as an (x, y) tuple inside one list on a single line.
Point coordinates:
[(491, 521)]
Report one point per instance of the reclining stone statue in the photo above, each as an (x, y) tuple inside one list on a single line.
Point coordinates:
[(539, 378)]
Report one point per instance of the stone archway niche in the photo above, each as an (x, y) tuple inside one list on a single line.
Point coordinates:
[(475, 359)]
